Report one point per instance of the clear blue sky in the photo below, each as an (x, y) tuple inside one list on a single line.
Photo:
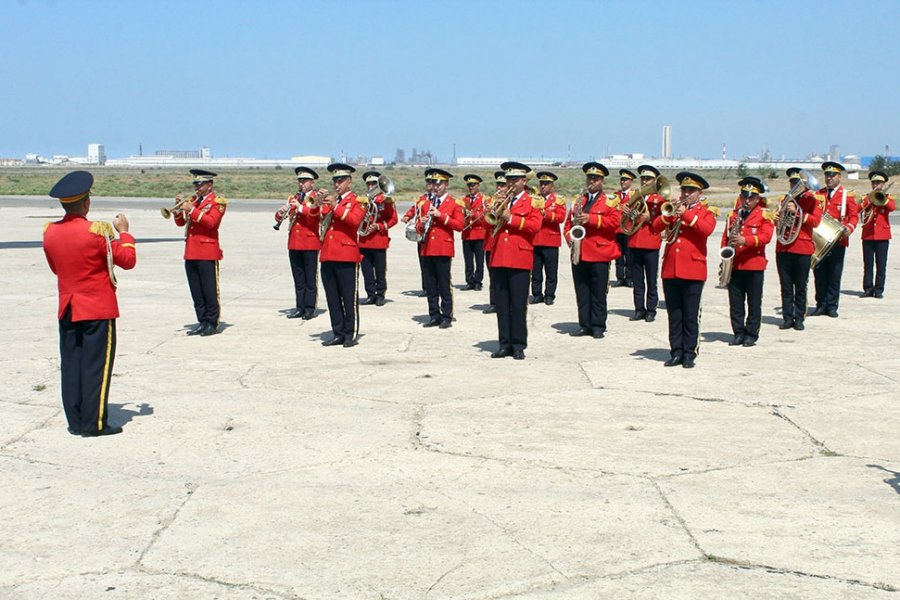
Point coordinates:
[(273, 79)]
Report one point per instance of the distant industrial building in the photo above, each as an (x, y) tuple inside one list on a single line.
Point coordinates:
[(96, 154)]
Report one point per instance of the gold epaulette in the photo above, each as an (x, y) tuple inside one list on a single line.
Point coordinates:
[(560, 200), (539, 203), (221, 200), (891, 197), (362, 199), (461, 202), (103, 228), (769, 215), (47, 225), (388, 199), (613, 201), (714, 210)]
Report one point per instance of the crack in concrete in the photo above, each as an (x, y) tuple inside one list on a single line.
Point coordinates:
[(447, 572), (820, 446), (246, 373), (165, 523), (37, 427), (741, 564), (874, 372), (415, 427), (255, 587), (677, 515)]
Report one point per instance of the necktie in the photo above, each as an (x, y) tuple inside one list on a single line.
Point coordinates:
[(830, 192), (744, 215), (437, 201)]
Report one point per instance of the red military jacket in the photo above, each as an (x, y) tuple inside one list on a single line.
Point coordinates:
[(554, 213), (879, 228), (77, 251), (304, 221), (646, 238), (833, 208), (512, 246), (474, 228), (757, 229), (439, 240), (385, 219), (685, 257), (604, 222), (340, 243), (812, 216), (202, 232)]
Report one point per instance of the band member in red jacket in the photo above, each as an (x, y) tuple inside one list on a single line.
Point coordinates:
[(417, 212), (686, 228), (82, 254), (623, 263), (490, 238), (201, 215), (840, 204), (301, 213), (547, 240), (340, 256), (374, 240), (643, 250), (876, 235), (600, 220), (793, 259), (512, 258), (747, 231), (473, 233), (444, 216)]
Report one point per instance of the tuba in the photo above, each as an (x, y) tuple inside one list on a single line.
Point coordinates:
[(787, 225), (385, 186), (636, 207), (876, 199)]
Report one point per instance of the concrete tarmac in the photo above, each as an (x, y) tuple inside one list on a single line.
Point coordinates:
[(259, 464)]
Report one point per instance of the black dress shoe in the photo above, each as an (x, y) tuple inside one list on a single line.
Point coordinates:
[(349, 343), (432, 323), (598, 335), (549, 300), (786, 324), (73, 431), (833, 313), (335, 341), (195, 330), (445, 324), (617, 283), (629, 283), (294, 314), (817, 312), (502, 353), (105, 431), (209, 329), (749, 343), (639, 315), (737, 341), (519, 355), (798, 325), (490, 309), (674, 361), (535, 300), (878, 295), (307, 315), (477, 287), (581, 332), (688, 362), (468, 287), (367, 301), (379, 301), (869, 293), (651, 316)]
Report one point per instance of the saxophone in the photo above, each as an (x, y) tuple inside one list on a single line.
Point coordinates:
[(726, 253), (576, 232)]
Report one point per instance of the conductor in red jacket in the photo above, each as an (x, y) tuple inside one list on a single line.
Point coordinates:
[(512, 258), (301, 213), (201, 216), (600, 220), (747, 231), (82, 254), (876, 235), (340, 256), (687, 225)]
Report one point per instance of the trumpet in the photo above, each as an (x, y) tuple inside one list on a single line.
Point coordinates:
[(179, 203), (668, 210), (324, 221), (876, 199), (285, 210)]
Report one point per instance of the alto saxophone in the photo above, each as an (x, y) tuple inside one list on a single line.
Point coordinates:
[(576, 232), (726, 253)]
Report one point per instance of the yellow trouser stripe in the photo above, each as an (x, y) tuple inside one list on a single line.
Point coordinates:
[(104, 385)]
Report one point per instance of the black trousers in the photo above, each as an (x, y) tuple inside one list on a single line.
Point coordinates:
[(591, 287), (374, 271), (339, 280), (623, 263), (828, 278), (304, 268), (746, 288), (203, 280), (421, 268), (511, 290), (793, 273), (546, 259), (437, 286), (874, 254), (87, 350), (644, 272), (473, 254), (492, 293), (683, 307)]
